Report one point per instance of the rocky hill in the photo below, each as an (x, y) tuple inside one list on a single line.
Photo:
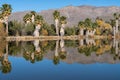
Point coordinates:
[(74, 13)]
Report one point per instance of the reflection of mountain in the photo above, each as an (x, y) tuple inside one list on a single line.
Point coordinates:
[(74, 13), (74, 57)]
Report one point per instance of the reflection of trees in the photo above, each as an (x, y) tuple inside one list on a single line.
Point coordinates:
[(62, 52), (56, 58), (35, 51), (115, 49), (71, 43), (15, 48), (98, 46), (6, 65)]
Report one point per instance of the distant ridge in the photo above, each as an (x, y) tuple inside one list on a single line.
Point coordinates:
[(74, 13)]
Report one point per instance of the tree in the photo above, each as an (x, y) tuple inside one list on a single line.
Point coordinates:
[(56, 15), (56, 55), (6, 11), (16, 27), (39, 21), (62, 22), (33, 13), (27, 18), (63, 52), (88, 25), (81, 26)]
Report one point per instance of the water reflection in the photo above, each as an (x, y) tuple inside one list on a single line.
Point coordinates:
[(82, 51)]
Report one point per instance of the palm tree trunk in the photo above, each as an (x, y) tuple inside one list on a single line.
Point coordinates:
[(81, 32), (62, 30), (36, 32), (33, 18), (7, 28), (56, 26)]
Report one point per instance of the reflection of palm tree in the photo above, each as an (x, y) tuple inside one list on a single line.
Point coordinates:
[(116, 16), (62, 51), (28, 49), (26, 55), (6, 65), (56, 55), (88, 48), (37, 50), (32, 57)]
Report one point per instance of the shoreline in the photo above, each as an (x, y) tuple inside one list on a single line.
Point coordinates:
[(75, 37)]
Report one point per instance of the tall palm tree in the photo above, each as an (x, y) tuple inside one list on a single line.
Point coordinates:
[(81, 26), (56, 15), (6, 11), (62, 22), (33, 13), (88, 25), (39, 21)]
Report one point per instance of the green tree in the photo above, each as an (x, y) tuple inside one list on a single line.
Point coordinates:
[(63, 21), (33, 13), (15, 26), (56, 16), (27, 18), (6, 10)]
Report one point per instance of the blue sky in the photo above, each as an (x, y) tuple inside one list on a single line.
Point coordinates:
[(38, 5)]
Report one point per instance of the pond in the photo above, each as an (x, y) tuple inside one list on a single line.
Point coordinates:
[(85, 59)]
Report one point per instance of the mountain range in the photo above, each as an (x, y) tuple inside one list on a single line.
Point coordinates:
[(74, 14)]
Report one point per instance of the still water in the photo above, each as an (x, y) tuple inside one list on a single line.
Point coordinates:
[(86, 59)]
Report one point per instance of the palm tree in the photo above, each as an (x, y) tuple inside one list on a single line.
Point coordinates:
[(33, 13), (88, 25), (27, 18), (39, 21), (56, 15), (62, 22), (6, 11), (81, 26)]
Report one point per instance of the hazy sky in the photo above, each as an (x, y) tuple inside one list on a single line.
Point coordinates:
[(38, 5)]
